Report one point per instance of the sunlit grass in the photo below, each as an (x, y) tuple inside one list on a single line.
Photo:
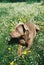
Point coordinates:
[(10, 15)]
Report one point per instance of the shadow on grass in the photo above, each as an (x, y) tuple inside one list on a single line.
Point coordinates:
[(12, 1), (19, 1), (13, 41)]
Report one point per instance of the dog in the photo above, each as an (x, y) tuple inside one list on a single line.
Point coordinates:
[(25, 33)]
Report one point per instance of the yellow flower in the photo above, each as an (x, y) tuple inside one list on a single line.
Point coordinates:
[(20, 19), (29, 51), (25, 52), (9, 49), (12, 63)]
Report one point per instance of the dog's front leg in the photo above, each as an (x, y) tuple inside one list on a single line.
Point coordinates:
[(19, 49)]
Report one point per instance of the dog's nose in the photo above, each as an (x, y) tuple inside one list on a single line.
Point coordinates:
[(12, 34)]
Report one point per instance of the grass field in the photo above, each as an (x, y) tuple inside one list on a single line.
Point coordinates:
[(10, 15)]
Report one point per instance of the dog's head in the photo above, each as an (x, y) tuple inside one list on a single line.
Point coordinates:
[(20, 30)]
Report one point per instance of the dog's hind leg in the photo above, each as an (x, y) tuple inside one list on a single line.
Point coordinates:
[(29, 42)]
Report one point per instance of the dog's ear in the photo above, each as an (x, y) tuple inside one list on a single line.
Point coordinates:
[(26, 27), (20, 28), (37, 28)]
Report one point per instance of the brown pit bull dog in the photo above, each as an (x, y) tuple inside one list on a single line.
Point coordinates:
[(26, 33)]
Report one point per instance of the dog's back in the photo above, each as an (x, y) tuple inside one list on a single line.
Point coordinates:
[(32, 30)]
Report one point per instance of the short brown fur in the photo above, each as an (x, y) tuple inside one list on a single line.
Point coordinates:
[(26, 33)]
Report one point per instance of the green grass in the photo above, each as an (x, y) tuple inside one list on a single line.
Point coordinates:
[(10, 15)]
